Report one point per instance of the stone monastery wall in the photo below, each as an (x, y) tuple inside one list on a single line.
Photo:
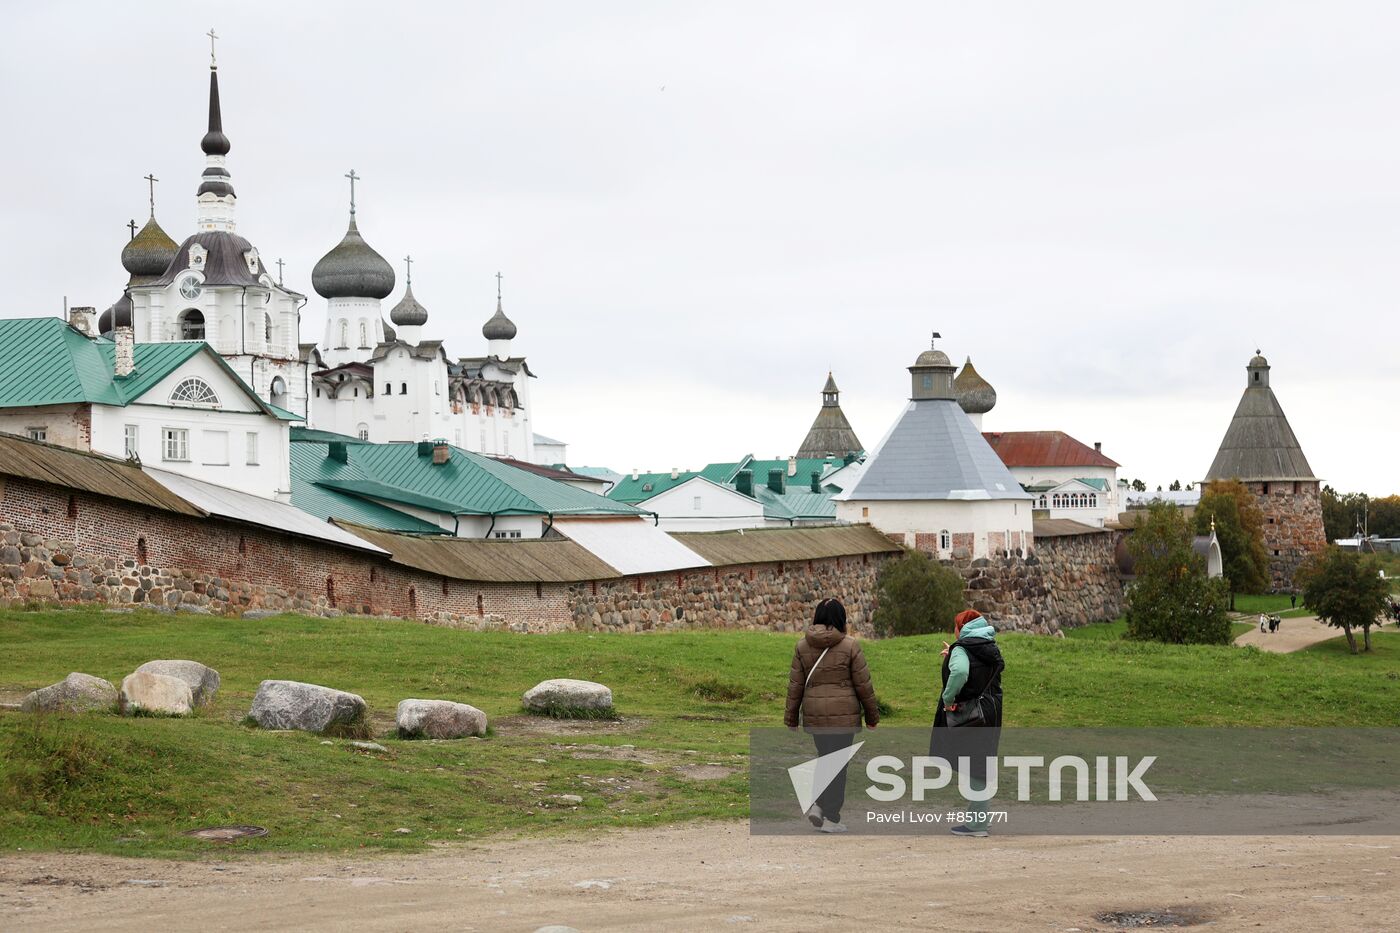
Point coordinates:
[(62, 546)]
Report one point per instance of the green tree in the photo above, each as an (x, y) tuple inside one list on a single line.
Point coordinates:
[(1239, 524), (1139, 486), (916, 595), (1346, 590), (1175, 486), (1171, 599), (1342, 513)]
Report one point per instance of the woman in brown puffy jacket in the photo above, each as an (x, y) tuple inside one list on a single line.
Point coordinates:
[(830, 686)]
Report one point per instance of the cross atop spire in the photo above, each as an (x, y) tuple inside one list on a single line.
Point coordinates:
[(151, 181), (131, 225), (279, 271), (353, 178), (408, 263), (498, 287), (213, 63)]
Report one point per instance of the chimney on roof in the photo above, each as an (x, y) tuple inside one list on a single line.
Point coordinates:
[(441, 452), (816, 481), (675, 473), (84, 320), (125, 360), (635, 474), (338, 451), (743, 482), (1098, 446), (425, 447), (777, 481), (792, 466)]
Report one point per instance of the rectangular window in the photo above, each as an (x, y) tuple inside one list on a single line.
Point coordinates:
[(252, 448), (507, 534), (505, 444), (131, 441), (215, 448), (696, 504), (177, 444), (41, 433)]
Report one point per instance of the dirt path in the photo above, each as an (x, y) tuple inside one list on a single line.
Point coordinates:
[(715, 876), (1292, 635)]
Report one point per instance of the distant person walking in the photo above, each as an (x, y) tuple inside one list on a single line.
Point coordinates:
[(1263, 622), (1292, 600), (829, 686), (968, 720)]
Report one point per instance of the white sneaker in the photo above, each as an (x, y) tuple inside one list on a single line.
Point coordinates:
[(830, 827), (814, 816)]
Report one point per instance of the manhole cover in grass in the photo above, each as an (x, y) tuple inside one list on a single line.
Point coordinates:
[(1140, 919), (226, 833)]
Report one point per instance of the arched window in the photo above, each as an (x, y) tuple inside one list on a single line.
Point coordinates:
[(388, 388), (1093, 500), (364, 335), (403, 388), (191, 324), (267, 330), (945, 540), (1042, 502), (344, 334), (362, 432), (278, 389), (194, 391)]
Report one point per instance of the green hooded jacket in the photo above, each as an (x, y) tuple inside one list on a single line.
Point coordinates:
[(957, 658)]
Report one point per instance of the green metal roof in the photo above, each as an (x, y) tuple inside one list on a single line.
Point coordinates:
[(647, 485), (796, 504), (312, 434), (47, 362), (467, 484), (326, 503), (1097, 482)]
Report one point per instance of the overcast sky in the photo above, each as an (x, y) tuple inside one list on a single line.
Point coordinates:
[(700, 208)]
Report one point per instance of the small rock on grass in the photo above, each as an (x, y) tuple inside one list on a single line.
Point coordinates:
[(154, 693), (203, 679), (76, 693), (404, 831), (438, 719), (564, 693), (369, 746)]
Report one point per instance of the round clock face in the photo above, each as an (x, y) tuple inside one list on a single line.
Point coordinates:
[(190, 289)]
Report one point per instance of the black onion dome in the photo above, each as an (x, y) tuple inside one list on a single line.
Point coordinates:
[(975, 395), (499, 327), (353, 270), (214, 141), (408, 312), (150, 251), (118, 315)]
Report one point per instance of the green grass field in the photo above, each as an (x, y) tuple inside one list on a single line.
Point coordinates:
[(686, 700)]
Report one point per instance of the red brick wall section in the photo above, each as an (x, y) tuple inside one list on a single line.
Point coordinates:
[(216, 566)]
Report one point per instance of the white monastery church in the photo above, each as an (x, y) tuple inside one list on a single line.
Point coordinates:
[(370, 379)]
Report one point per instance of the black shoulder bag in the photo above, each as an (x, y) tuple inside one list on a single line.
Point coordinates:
[(972, 712)]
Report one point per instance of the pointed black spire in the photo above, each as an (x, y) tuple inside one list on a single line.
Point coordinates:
[(214, 141)]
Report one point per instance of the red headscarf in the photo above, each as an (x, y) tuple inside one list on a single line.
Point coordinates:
[(964, 617)]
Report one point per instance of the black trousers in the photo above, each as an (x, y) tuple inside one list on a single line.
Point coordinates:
[(834, 797)]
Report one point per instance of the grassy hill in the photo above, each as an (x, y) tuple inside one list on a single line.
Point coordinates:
[(686, 701)]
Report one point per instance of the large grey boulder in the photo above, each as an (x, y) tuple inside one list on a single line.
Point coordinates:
[(154, 693), (203, 680), (76, 693), (566, 694), (289, 704), (438, 719)]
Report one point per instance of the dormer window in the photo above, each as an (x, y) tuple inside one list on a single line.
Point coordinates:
[(195, 392), (197, 256)]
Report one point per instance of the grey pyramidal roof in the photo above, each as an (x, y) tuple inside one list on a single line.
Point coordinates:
[(1259, 444), (934, 452)]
